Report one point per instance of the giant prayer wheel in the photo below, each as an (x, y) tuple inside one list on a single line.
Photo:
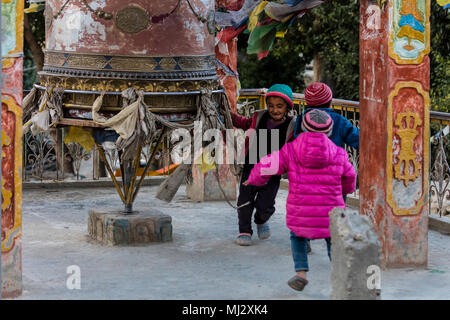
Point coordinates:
[(157, 54), (155, 46)]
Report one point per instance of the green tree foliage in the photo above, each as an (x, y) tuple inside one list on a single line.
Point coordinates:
[(37, 24), (331, 31), (29, 69), (283, 65)]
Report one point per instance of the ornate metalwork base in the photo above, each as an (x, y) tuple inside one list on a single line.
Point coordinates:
[(130, 67)]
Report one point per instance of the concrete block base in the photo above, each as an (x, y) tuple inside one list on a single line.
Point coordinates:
[(355, 255), (113, 228)]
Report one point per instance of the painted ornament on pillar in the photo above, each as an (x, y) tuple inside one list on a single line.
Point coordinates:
[(410, 31), (11, 177), (11, 142), (444, 3), (407, 159), (8, 31), (407, 167), (11, 34)]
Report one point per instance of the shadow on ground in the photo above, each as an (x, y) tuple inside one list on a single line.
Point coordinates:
[(202, 262)]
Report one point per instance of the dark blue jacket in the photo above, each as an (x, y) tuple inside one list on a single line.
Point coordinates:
[(343, 131)]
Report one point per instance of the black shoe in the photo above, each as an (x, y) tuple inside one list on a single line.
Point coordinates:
[(308, 246)]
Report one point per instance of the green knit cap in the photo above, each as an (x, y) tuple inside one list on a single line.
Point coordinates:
[(282, 91)]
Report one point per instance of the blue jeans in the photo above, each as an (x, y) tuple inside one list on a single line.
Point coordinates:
[(298, 246)]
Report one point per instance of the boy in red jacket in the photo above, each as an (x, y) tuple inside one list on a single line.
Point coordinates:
[(275, 120)]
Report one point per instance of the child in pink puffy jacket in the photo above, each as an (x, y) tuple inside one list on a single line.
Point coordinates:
[(319, 174)]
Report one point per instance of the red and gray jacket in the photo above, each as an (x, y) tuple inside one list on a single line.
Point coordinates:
[(254, 122)]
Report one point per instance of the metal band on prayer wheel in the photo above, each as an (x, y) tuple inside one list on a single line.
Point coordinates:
[(154, 46)]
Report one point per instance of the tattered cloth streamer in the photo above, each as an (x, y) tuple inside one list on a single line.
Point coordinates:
[(134, 123), (265, 20), (209, 163), (28, 104), (49, 111), (236, 169), (210, 114), (213, 115), (236, 18)]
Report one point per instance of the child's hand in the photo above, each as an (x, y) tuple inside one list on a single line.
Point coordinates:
[(245, 183)]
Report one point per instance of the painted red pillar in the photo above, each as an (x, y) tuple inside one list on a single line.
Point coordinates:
[(394, 148), (11, 227)]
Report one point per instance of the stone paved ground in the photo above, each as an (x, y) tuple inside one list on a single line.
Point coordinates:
[(202, 262)]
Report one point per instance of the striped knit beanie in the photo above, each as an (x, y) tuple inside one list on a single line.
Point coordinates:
[(317, 121), (282, 91), (317, 94)]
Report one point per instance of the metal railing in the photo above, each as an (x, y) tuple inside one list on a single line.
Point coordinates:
[(253, 99), (47, 157)]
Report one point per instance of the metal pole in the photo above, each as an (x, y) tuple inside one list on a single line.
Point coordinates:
[(127, 187), (114, 93), (134, 172), (147, 166)]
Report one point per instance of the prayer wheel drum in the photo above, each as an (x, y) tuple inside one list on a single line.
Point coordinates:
[(159, 46)]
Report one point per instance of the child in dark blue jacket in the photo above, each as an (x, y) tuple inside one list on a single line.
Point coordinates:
[(318, 96)]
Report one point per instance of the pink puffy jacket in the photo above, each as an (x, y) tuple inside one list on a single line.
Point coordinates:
[(319, 174)]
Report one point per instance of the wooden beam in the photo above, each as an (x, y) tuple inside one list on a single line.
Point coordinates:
[(78, 123)]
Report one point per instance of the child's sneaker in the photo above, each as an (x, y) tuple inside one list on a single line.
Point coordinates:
[(297, 283), (244, 239), (263, 231)]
